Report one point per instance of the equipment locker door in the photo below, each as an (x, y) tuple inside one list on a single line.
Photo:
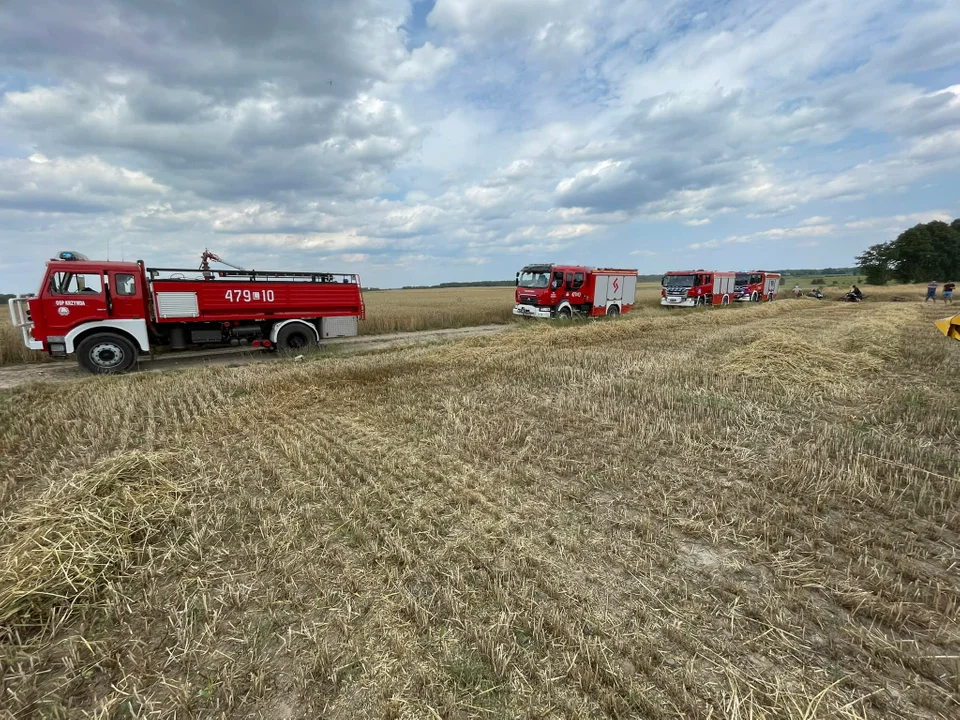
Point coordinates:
[(615, 291), (600, 291)]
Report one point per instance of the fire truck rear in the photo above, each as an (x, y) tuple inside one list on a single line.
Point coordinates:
[(562, 291), (109, 313), (695, 288), (757, 286)]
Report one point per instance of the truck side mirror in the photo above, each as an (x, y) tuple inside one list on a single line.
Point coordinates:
[(517, 281)]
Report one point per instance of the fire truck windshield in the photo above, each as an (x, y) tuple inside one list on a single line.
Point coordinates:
[(678, 280), (534, 279)]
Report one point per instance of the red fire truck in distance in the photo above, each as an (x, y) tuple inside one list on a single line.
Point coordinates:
[(694, 288), (108, 313), (561, 291), (757, 286)]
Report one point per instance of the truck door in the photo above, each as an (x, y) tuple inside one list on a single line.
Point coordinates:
[(126, 295), (72, 298)]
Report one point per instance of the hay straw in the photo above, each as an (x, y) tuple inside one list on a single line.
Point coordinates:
[(77, 536)]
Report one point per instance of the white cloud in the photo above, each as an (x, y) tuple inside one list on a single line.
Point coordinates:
[(299, 131), (72, 185), (480, 19)]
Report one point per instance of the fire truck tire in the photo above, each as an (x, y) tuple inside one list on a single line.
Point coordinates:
[(613, 311), (565, 313), (725, 300), (106, 354), (701, 301), (755, 297), (295, 336)]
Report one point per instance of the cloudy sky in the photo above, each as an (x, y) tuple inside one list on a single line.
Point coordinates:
[(424, 141)]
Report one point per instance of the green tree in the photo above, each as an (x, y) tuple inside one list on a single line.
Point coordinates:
[(875, 264), (925, 252)]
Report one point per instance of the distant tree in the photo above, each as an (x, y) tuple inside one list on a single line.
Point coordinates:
[(817, 281), (925, 252), (875, 264)]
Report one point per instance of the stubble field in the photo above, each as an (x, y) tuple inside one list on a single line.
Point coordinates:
[(390, 311), (742, 514)]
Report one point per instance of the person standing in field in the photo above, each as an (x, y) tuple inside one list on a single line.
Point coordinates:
[(931, 291), (797, 291), (947, 292)]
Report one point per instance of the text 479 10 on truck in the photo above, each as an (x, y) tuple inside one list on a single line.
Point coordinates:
[(562, 291), (108, 313)]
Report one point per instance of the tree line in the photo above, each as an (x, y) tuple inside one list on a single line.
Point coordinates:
[(925, 252)]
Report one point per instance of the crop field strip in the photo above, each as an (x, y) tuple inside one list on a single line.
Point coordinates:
[(390, 311), (638, 519)]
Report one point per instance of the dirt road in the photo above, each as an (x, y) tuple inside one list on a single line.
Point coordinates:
[(13, 376)]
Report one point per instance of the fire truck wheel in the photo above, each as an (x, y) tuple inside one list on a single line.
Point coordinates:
[(295, 336), (613, 311), (564, 313), (106, 354), (755, 297), (701, 301)]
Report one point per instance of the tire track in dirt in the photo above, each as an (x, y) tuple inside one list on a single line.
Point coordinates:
[(13, 376)]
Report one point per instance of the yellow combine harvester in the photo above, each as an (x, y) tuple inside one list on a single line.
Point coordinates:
[(950, 326)]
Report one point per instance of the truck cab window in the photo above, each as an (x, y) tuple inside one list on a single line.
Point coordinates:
[(63, 283), (577, 281), (557, 280), (533, 280), (569, 279), (126, 284), (706, 279)]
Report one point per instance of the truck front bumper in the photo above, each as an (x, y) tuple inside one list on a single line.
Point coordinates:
[(532, 311), (20, 317), (675, 301)]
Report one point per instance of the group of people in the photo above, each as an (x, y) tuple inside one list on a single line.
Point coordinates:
[(854, 295), (946, 293)]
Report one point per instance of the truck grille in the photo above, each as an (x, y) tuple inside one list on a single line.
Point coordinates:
[(528, 301), (677, 290)]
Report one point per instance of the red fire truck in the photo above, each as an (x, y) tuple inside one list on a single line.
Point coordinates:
[(695, 288), (757, 286), (562, 291), (108, 313)]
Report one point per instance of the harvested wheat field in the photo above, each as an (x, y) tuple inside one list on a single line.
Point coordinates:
[(742, 514)]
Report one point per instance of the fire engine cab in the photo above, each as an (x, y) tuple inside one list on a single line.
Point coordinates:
[(757, 286), (108, 313), (695, 288), (562, 291)]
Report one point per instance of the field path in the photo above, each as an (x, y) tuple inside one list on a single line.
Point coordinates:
[(13, 376)]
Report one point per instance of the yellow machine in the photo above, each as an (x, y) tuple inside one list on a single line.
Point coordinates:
[(950, 326)]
